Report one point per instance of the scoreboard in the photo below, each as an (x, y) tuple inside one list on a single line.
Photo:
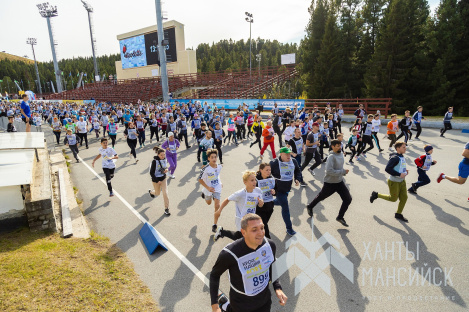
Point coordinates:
[(142, 50)]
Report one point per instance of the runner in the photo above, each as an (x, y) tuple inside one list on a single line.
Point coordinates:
[(140, 123), (131, 134), (182, 130), (82, 127), (417, 117), (231, 130), (312, 142), (206, 144), (405, 124), (463, 169), (375, 124), (397, 169), (423, 165), (158, 170), (334, 182), (218, 135), (108, 154), (209, 178), (171, 145), (392, 127), (246, 200), (104, 122), (276, 123), (248, 291), (154, 128), (268, 134), (352, 144), (446, 121), (297, 146), (266, 183), (71, 141), (367, 131), (57, 129), (112, 131), (285, 170)]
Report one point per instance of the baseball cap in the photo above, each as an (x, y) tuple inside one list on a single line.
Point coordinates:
[(285, 150), (315, 124)]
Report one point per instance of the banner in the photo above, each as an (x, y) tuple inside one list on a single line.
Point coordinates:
[(268, 104)]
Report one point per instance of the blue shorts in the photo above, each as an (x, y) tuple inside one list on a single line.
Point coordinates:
[(463, 170)]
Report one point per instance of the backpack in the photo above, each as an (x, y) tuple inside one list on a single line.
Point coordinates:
[(418, 162)]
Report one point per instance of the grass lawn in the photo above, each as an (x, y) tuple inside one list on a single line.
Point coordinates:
[(43, 272)]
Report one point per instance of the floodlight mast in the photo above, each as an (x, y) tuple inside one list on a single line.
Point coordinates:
[(47, 11), (33, 42), (162, 51), (89, 9), (250, 20)]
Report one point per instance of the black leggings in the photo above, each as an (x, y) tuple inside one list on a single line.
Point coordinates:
[(405, 133), (132, 144), (265, 212), (339, 124), (83, 136), (109, 175), (354, 151), (279, 134), (183, 133), (330, 188), (113, 139), (74, 150), (419, 129), (309, 156), (154, 131), (446, 128), (218, 147), (258, 140), (366, 139), (57, 136), (374, 135)]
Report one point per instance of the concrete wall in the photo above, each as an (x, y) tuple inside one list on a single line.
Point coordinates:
[(11, 204)]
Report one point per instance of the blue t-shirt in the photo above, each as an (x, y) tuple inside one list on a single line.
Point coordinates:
[(26, 109)]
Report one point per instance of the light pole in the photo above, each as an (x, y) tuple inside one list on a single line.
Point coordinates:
[(33, 42), (250, 20), (258, 58), (162, 43), (89, 9), (47, 11)]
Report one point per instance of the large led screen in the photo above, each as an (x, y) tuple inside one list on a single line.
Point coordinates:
[(133, 52), (142, 50)]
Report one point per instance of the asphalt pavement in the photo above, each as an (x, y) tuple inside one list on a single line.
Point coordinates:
[(376, 264)]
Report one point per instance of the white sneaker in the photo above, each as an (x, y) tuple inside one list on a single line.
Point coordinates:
[(391, 149), (311, 171), (172, 176), (136, 160)]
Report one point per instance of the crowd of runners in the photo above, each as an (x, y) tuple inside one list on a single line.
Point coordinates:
[(307, 138)]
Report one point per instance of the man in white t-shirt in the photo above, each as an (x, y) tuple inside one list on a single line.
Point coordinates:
[(209, 178), (82, 127)]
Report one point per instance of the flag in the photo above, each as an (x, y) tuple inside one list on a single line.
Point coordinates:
[(1, 80), (62, 73), (70, 75), (85, 75), (78, 74)]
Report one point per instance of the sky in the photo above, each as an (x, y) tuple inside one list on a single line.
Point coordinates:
[(205, 21)]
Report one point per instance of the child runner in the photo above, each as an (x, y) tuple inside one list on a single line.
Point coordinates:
[(56, 127), (417, 117), (397, 169), (366, 138), (334, 182), (209, 178), (140, 123), (375, 124), (171, 145), (405, 124), (393, 126), (312, 142), (153, 127), (158, 170), (423, 165), (199, 138), (463, 169), (108, 154), (182, 130), (71, 141), (268, 134), (352, 144), (447, 122), (246, 200), (131, 134), (231, 130), (218, 135), (206, 144), (112, 131), (298, 148), (266, 183)]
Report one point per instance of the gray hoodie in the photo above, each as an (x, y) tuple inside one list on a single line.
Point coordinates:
[(335, 168)]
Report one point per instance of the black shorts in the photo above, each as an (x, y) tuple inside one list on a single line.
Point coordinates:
[(30, 121), (158, 179)]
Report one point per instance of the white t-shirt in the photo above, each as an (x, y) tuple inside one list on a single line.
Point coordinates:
[(106, 154), (81, 125), (211, 177), (375, 125), (245, 203)]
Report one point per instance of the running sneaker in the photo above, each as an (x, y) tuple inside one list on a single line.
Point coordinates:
[(374, 195), (441, 135), (310, 210), (149, 192), (291, 232), (202, 195), (140, 145), (381, 150), (111, 194), (166, 212), (217, 233), (214, 228), (440, 177), (358, 158), (391, 149), (399, 216), (342, 221), (411, 190), (223, 302), (350, 162), (136, 160), (78, 160), (261, 157), (303, 183), (143, 144), (311, 171), (150, 141), (364, 155), (188, 146)]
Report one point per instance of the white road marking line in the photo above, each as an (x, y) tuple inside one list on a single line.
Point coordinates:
[(170, 246)]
